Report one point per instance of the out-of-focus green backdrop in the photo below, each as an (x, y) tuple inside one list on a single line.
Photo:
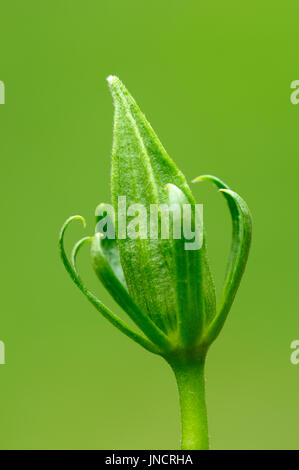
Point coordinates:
[(214, 80)]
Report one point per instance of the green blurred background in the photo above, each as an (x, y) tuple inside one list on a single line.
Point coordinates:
[(214, 80)]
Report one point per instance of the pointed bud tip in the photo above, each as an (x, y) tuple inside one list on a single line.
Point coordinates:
[(111, 79)]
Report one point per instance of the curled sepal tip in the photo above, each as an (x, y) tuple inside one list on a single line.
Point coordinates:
[(76, 250), (105, 311), (68, 266), (241, 239), (213, 179)]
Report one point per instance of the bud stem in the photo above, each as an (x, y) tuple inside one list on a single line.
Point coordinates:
[(191, 386)]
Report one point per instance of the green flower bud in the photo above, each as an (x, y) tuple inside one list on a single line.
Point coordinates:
[(149, 251)]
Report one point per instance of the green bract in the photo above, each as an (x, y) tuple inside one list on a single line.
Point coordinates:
[(166, 289)]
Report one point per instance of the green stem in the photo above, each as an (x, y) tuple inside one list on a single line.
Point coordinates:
[(191, 386)]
